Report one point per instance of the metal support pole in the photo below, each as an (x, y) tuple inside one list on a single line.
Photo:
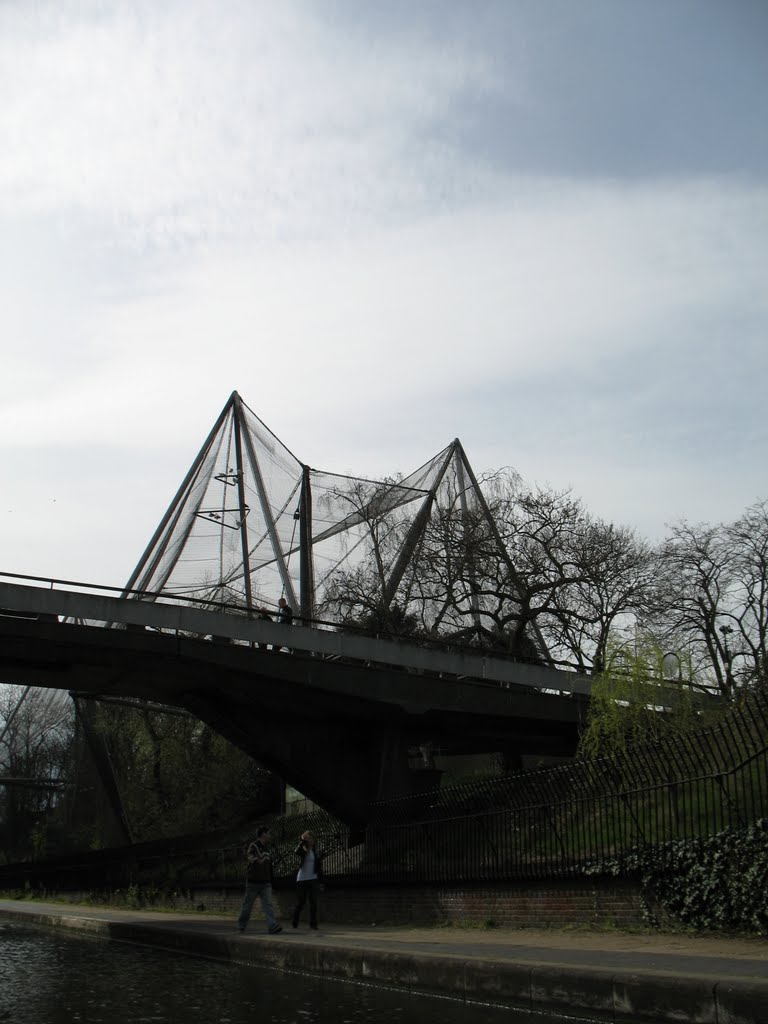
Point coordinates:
[(306, 567), (502, 547), (106, 772), (475, 604), (415, 534), (267, 513), (243, 509)]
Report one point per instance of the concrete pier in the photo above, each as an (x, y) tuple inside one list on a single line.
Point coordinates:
[(611, 976)]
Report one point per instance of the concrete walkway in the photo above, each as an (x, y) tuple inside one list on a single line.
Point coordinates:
[(600, 975)]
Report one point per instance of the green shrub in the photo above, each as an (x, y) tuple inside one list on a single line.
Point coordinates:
[(716, 883)]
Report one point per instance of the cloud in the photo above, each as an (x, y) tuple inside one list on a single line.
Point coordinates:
[(548, 280), (177, 122), (332, 219)]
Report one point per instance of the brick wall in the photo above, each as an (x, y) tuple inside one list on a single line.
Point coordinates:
[(541, 904)]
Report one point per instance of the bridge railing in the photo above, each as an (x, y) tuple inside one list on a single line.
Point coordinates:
[(239, 612), (183, 616), (57, 599)]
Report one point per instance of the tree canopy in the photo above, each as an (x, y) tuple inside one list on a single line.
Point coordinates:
[(530, 571)]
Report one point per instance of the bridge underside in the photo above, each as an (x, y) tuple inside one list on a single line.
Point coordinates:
[(340, 733)]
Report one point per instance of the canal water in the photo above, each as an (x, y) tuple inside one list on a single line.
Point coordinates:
[(50, 978)]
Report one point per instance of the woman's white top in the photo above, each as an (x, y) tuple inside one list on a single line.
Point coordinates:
[(307, 869)]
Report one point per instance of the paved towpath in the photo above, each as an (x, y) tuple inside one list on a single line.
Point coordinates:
[(610, 975)]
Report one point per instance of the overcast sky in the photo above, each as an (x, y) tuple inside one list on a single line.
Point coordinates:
[(537, 225)]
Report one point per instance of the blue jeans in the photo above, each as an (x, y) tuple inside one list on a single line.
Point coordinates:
[(264, 891)]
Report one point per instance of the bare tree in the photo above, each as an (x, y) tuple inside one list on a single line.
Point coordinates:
[(581, 579), (615, 575), (509, 570), (442, 587), (712, 597), (748, 541), (37, 728), (175, 775)]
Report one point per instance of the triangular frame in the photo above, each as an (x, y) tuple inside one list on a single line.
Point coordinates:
[(258, 516)]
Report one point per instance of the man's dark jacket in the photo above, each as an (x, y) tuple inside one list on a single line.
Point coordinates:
[(259, 863)]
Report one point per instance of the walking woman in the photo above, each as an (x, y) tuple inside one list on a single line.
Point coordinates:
[(309, 879)]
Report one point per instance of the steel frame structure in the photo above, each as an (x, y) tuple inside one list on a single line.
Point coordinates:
[(262, 520)]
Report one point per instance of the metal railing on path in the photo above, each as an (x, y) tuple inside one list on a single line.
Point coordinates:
[(560, 823)]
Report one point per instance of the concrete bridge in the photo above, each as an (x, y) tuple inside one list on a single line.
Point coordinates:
[(333, 713)]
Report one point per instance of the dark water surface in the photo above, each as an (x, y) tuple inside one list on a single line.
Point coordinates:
[(47, 977)]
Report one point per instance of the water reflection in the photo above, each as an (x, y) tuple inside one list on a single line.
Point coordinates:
[(50, 978)]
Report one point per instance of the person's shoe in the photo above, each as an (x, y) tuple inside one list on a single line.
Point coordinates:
[(241, 930), (295, 924), (275, 929)]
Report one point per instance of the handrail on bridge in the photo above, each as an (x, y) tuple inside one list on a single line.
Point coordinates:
[(320, 637), (224, 606), (460, 661)]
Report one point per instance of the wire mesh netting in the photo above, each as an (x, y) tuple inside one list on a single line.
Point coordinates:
[(251, 523)]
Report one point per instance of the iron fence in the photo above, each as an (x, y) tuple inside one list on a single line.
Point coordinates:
[(562, 821), (557, 823)]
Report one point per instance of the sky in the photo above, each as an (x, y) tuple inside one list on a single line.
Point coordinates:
[(540, 226)]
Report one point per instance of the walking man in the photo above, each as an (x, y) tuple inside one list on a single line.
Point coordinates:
[(284, 616), (258, 881)]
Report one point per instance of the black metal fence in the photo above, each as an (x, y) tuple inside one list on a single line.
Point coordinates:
[(557, 823), (563, 821)]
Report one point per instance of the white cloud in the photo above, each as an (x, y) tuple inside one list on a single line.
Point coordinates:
[(570, 275), (196, 199), (177, 121)]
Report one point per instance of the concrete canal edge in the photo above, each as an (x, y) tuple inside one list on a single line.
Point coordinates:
[(598, 993)]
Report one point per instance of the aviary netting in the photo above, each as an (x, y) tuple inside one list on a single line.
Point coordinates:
[(251, 523)]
